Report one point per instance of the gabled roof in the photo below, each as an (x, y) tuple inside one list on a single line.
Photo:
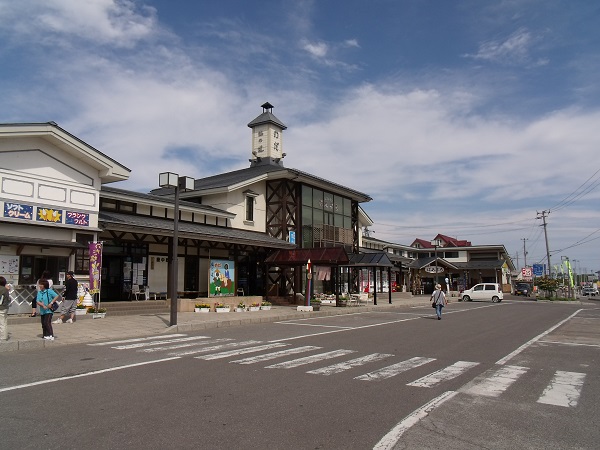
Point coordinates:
[(452, 242), (109, 170), (238, 179), (424, 262), (422, 243)]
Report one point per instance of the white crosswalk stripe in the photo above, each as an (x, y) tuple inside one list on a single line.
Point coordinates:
[(215, 348), (125, 341), (340, 367), (309, 359), (274, 355), (241, 351), (563, 390), (494, 384), (152, 343), (448, 373), (395, 369), (184, 345)]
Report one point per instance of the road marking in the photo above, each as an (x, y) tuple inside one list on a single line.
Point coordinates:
[(340, 367), (570, 343), (538, 337), (495, 384), (184, 345), (393, 436), (274, 355), (152, 343), (215, 348), (81, 375), (317, 325), (445, 374), (395, 369), (240, 351), (563, 390), (309, 359), (135, 340)]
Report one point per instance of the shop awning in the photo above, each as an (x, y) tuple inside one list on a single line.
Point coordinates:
[(379, 259), (326, 256)]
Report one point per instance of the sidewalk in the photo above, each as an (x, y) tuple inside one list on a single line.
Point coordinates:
[(26, 333)]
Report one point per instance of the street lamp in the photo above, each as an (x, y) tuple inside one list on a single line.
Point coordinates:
[(174, 181), (568, 266)]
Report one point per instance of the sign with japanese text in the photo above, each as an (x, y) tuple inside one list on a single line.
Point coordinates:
[(77, 218), (95, 249), (18, 211)]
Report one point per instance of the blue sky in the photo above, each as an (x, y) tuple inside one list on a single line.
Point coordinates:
[(462, 117)]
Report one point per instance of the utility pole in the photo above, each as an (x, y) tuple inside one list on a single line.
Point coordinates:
[(524, 251), (544, 214)]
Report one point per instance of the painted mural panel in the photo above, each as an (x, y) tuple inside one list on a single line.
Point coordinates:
[(221, 276)]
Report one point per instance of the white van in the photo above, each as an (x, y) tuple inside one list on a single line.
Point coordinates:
[(483, 291)]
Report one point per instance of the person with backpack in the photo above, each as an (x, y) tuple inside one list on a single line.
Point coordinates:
[(438, 299)]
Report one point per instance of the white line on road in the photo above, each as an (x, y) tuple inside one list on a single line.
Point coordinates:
[(240, 351), (274, 355), (309, 359), (346, 365), (391, 439), (445, 374), (538, 337), (134, 340), (564, 389), (318, 325), (495, 384), (184, 345), (153, 343), (87, 374), (215, 347), (395, 369), (570, 343)]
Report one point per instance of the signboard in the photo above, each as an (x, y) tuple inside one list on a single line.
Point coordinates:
[(292, 237), (221, 277), (538, 270), (527, 272), (433, 269)]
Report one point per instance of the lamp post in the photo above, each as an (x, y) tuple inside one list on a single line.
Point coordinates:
[(568, 267), (174, 181)]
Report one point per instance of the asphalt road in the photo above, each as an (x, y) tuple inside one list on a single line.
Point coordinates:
[(519, 374)]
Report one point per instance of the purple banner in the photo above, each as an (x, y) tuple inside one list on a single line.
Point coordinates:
[(95, 266)]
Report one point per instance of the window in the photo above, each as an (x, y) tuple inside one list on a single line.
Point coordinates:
[(249, 208), (82, 255)]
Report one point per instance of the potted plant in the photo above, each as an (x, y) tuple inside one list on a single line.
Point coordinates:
[(265, 305), (81, 309), (202, 307), (255, 307), (221, 307), (315, 303), (97, 313), (241, 307)]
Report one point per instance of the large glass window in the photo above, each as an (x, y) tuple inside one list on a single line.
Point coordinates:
[(326, 219)]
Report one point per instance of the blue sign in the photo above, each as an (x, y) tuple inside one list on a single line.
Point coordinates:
[(292, 237), (538, 270), (18, 211)]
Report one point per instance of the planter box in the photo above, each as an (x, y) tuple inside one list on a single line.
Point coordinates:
[(265, 308), (80, 312), (240, 309), (254, 308), (202, 310), (223, 310), (98, 315)]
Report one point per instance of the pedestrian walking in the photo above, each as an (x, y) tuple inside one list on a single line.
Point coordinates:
[(69, 303), (438, 298), (4, 303), (45, 298), (45, 276)]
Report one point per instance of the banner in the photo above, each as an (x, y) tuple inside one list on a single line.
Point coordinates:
[(95, 266)]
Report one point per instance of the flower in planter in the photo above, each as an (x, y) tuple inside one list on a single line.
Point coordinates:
[(220, 305), (241, 305), (201, 305), (255, 304), (81, 306), (92, 310), (316, 301), (266, 304)]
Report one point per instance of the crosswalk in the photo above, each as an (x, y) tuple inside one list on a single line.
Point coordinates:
[(564, 389)]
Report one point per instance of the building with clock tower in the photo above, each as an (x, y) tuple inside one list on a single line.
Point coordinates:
[(267, 137)]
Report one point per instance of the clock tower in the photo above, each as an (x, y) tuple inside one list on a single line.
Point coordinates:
[(267, 139)]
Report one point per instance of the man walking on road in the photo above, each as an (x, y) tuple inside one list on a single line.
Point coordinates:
[(69, 303)]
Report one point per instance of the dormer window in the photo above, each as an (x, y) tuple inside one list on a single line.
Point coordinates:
[(250, 199)]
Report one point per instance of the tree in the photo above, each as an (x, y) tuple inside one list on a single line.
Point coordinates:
[(547, 284)]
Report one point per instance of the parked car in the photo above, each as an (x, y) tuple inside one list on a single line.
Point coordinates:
[(589, 291), (483, 291), (523, 289)]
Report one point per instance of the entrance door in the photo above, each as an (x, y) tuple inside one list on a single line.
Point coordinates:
[(112, 278)]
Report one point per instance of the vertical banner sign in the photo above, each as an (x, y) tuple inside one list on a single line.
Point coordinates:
[(95, 266)]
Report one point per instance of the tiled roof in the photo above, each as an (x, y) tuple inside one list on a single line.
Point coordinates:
[(154, 225)]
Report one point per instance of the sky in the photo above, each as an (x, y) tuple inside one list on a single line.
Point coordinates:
[(467, 118)]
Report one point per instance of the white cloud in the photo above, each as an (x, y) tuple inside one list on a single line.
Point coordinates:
[(512, 50), (316, 49)]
